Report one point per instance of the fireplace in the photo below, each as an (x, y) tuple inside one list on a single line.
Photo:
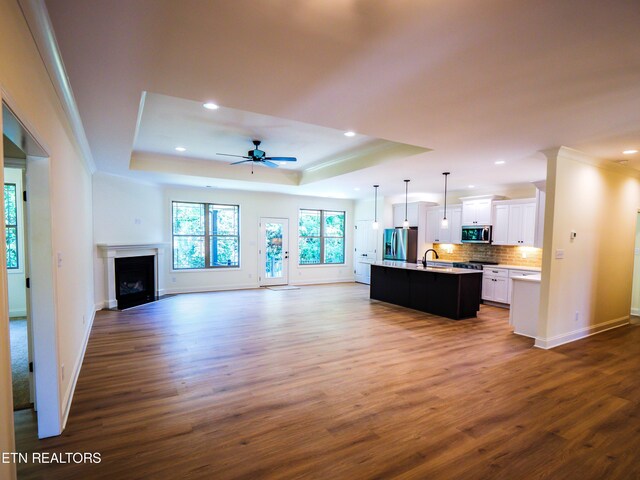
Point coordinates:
[(113, 253), (135, 280)]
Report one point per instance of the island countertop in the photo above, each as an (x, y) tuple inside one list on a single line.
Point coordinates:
[(419, 268)]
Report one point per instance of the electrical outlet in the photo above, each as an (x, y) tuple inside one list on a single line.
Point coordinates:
[(84, 320), (62, 370), (173, 279), (577, 317)]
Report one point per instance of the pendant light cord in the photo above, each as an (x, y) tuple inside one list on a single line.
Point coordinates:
[(406, 200), (375, 211), (446, 176)]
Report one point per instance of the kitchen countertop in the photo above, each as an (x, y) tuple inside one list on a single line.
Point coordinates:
[(516, 267), (529, 278), (419, 268), (501, 265)]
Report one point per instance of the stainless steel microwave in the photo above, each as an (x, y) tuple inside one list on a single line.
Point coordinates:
[(476, 234)]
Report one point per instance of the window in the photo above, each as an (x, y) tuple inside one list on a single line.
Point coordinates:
[(321, 237), (11, 224), (205, 235)]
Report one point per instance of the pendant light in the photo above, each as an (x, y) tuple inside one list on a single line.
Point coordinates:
[(445, 222), (375, 211), (405, 224)]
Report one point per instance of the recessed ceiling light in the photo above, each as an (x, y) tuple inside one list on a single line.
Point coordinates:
[(181, 149), (211, 106), (349, 134), (357, 189), (500, 162), (471, 186), (630, 152)]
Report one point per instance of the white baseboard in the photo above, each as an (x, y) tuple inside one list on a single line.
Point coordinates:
[(548, 343), (99, 306), (76, 372), (246, 286), (635, 311), (307, 281)]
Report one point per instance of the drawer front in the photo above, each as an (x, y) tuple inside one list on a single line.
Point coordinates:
[(496, 272)]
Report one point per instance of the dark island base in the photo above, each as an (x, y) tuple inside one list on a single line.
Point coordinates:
[(445, 294)]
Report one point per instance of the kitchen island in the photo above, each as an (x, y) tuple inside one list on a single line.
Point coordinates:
[(446, 291)]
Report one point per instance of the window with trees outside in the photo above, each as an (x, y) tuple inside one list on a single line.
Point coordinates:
[(321, 237), (11, 224), (205, 235)]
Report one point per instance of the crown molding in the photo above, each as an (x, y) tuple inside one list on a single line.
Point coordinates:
[(37, 18)]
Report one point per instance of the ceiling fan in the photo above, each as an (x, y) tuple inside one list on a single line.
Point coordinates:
[(259, 156)]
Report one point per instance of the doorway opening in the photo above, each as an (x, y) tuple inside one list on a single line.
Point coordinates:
[(22, 152), (635, 295), (20, 328), (274, 251)]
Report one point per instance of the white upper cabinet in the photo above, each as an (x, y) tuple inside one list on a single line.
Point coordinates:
[(412, 210), (476, 211), (540, 205), (500, 225), (454, 214), (433, 225), (435, 232), (515, 223)]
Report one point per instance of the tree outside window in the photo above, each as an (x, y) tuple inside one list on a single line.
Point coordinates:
[(205, 235), (321, 237), (11, 225)]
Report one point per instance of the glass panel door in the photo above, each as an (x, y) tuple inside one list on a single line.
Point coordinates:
[(274, 251)]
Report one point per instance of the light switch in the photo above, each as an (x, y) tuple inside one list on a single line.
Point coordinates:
[(59, 260), (559, 254)]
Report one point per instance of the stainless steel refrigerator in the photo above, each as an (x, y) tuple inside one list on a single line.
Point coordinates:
[(401, 244)]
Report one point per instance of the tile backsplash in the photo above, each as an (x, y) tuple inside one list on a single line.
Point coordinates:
[(492, 253)]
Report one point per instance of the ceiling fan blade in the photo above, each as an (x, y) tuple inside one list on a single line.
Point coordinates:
[(269, 164), (241, 161), (282, 159), (239, 156)]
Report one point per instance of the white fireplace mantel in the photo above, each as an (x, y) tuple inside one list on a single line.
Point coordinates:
[(112, 251)]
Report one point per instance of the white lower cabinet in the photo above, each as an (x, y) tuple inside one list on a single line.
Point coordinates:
[(495, 285), (518, 273)]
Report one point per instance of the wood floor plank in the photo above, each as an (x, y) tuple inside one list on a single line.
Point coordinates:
[(323, 382)]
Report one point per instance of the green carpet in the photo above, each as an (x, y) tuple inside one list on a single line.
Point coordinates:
[(19, 363)]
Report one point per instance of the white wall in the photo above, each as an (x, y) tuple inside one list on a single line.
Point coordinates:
[(119, 203), (124, 212), (364, 210), (16, 278), (26, 86), (589, 289)]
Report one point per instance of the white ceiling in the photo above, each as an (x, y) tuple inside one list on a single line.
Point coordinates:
[(167, 122), (474, 81)]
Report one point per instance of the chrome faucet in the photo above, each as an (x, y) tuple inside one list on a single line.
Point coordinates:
[(424, 257)]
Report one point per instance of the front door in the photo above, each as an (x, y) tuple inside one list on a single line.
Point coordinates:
[(274, 251)]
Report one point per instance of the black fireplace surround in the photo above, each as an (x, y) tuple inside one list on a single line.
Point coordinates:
[(135, 281)]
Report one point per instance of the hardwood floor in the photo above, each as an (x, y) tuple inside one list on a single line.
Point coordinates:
[(323, 383)]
